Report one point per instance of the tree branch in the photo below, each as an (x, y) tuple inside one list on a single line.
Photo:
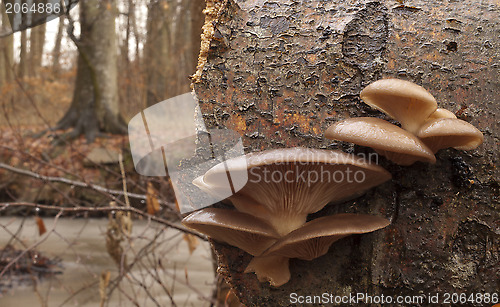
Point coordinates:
[(78, 184), (159, 220)]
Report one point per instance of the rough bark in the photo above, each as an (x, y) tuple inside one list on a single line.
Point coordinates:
[(94, 107), (173, 41), (280, 72)]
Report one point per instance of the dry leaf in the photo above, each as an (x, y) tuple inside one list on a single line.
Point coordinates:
[(41, 225), (192, 242), (152, 203)]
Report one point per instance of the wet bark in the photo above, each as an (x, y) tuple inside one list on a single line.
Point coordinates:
[(280, 73), (94, 108)]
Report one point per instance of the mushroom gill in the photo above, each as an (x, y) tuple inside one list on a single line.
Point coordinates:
[(314, 238), (308, 242), (234, 228), (285, 185)]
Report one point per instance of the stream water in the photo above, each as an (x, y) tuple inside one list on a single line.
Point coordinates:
[(166, 274)]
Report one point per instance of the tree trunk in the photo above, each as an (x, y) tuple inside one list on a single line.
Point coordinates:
[(6, 53), (156, 53), (280, 73), (174, 29), (56, 53), (37, 42), (94, 107), (23, 57), (125, 44)]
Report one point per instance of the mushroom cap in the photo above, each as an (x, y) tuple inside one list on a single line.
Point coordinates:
[(273, 269), (450, 132), (284, 185), (398, 145), (238, 229), (313, 239), (442, 113), (404, 101)]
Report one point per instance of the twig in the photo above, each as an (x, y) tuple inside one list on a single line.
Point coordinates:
[(124, 179), (13, 261), (4, 206), (77, 183)]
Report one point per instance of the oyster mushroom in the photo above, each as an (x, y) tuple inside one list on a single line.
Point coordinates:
[(441, 113), (310, 241), (404, 101), (285, 185), (450, 132), (273, 269), (234, 228), (396, 144)]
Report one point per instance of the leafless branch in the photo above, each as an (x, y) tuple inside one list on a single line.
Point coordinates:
[(159, 220), (34, 245), (79, 184)]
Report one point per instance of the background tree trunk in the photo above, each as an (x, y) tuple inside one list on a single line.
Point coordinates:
[(56, 52), (281, 72), (6, 53), (37, 42), (95, 102), (23, 55), (156, 51), (174, 29)]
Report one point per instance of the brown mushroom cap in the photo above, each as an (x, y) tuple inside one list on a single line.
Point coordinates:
[(450, 132), (274, 269), (284, 185), (398, 145), (406, 102), (442, 113), (232, 227), (313, 239)]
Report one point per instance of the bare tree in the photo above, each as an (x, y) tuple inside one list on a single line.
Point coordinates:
[(56, 52), (6, 53), (23, 56), (156, 51), (37, 42), (174, 29), (94, 107)]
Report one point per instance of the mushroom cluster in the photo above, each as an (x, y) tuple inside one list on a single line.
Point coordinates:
[(270, 212), (268, 218), (425, 128)]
